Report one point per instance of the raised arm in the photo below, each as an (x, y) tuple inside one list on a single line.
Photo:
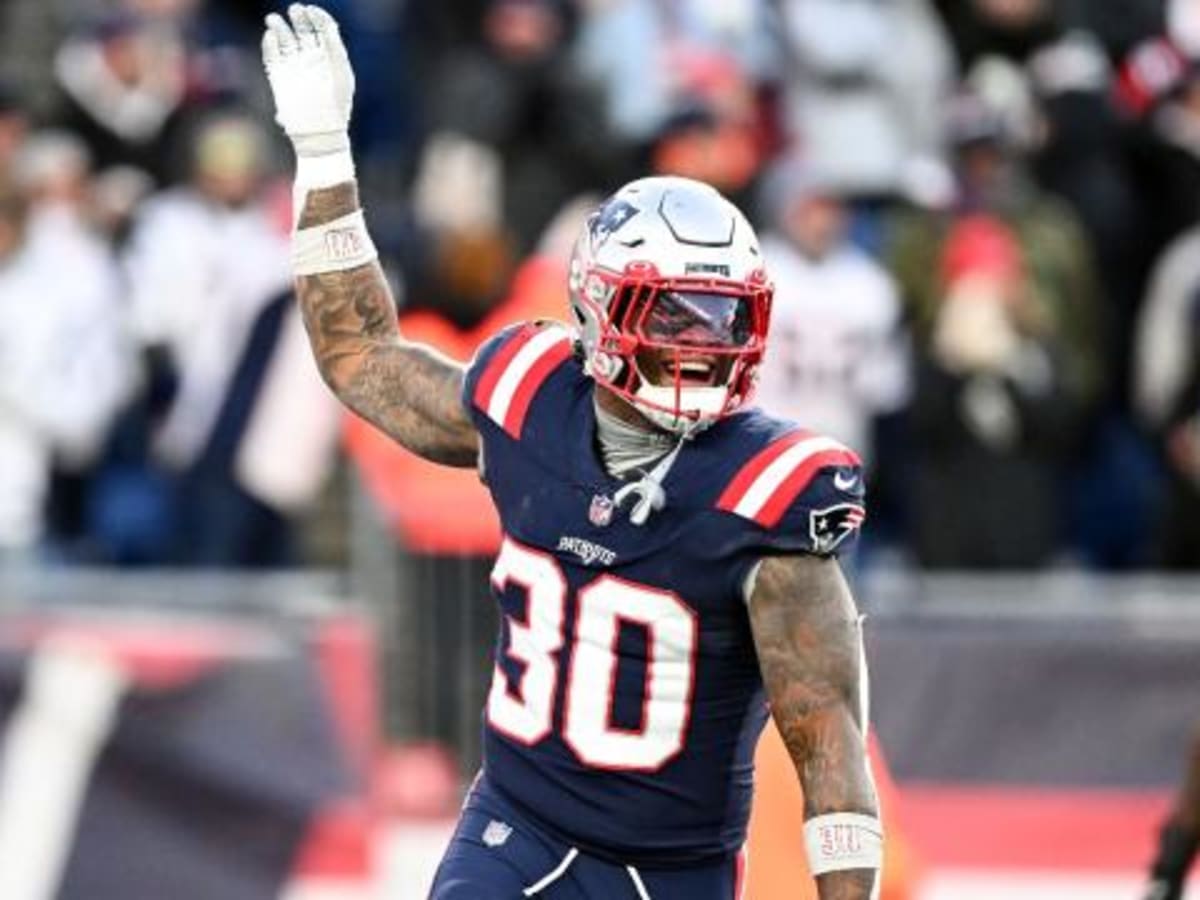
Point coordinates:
[(806, 630), (408, 390)]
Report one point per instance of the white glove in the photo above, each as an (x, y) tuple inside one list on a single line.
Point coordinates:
[(313, 86)]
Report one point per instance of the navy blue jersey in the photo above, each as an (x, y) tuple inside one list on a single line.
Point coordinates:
[(626, 700)]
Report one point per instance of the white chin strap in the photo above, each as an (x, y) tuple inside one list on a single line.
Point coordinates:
[(706, 403)]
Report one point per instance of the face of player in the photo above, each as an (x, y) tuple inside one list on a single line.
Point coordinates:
[(686, 338)]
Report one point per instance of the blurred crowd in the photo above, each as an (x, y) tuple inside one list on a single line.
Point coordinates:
[(982, 216)]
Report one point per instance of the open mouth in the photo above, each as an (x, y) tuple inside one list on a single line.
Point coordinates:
[(691, 372)]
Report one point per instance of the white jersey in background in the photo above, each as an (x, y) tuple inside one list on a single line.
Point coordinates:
[(201, 274), (838, 356)]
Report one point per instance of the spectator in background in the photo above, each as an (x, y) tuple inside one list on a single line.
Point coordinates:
[(1064, 53), (993, 180), (117, 194), (1017, 28), (644, 54), (1013, 29), (122, 84), (1053, 103), (53, 171), (63, 370), (993, 409), (714, 133), (1183, 26), (31, 31), (1167, 391), (210, 272), (838, 356), (24, 450), (1167, 139), (869, 78), (514, 124), (1052, 110), (79, 272), (1061, 307), (1164, 348), (1079, 155), (217, 48)]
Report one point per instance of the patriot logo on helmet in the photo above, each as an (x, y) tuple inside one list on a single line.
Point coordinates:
[(610, 218)]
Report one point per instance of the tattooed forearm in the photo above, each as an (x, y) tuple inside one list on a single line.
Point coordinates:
[(408, 390), (808, 639)]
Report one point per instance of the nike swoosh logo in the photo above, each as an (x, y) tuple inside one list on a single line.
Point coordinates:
[(844, 483)]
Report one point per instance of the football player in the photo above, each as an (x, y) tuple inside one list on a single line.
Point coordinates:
[(669, 560)]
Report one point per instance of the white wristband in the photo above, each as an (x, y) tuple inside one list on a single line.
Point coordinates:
[(838, 841), (333, 247)]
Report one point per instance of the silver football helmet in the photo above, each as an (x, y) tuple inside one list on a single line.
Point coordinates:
[(671, 296)]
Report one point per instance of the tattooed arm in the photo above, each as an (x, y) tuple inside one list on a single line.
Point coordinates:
[(408, 390), (807, 634)]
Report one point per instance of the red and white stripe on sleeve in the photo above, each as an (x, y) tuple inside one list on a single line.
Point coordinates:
[(766, 486), (512, 377)]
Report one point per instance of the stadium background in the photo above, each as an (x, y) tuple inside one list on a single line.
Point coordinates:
[(243, 641)]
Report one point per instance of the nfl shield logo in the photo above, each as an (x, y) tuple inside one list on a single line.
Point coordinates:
[(496, 833), (600, 513)]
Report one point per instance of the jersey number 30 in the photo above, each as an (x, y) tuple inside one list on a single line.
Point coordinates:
[(524, 710)]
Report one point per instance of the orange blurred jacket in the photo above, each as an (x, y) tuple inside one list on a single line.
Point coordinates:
[(436, 509)]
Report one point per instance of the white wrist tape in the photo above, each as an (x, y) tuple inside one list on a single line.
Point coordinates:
[(324, 170), (333, 247), (838, 841)]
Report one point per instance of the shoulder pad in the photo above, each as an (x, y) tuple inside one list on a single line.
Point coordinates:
[(765, 486), (509, 369), (803, 490)]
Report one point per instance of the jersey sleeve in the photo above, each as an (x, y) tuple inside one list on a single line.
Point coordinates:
[(801, 493), (507, 371)]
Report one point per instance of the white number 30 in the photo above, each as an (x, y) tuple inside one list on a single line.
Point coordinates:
[(524, 710)]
